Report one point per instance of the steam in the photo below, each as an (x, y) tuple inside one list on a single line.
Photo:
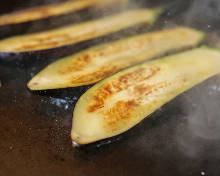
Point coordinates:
[(208, 11), (202, 123), (205, 121), (213, 39)]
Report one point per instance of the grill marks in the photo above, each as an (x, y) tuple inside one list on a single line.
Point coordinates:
[(137, 76), (118, 114), (77, 64), (137, 91), (100, 97), (43, 12), (82, 62), (122, 84), (143, 89), (54, 40), (123, 100), (96, 63), (47, 11), (121, 112), (78, 32), (98, 75)]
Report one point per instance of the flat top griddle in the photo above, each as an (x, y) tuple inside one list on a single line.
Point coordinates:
[(182, 138)]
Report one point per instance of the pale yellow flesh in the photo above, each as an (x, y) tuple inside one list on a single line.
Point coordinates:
[(121, 101), (99, 62), (79, 32), (46, 11)]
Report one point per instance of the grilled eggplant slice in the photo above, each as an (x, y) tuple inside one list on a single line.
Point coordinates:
[(82, 12), (121, 101), (47, 11), (77, 33), (99, 62)]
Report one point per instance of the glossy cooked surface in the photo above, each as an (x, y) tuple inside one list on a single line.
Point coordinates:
[(42, 12), (180, 139), (79, 32), (121, 101), (99, 62)]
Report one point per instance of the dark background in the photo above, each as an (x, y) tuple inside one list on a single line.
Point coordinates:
[(11, 5), (180, 139)]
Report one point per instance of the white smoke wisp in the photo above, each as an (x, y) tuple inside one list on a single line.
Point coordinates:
[(201, 124)]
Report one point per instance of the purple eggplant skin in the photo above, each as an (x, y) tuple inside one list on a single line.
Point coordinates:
[(30, 58)]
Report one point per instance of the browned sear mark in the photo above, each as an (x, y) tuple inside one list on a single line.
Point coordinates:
[(138, 75), (95, 76), (42, 12), (52, 40), (118, 114), (35, 83), (100, 98), (76, 65), (142, 89), (57, 40), (129, 79)]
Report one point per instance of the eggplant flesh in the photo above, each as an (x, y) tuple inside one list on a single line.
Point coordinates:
[(121, 101), (79, 32), (42, 12), (96, 63)]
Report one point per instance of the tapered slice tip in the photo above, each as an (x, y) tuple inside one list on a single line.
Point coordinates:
[(96, 63), (123, 100), (40, 83), (77, 141), (75, 144)]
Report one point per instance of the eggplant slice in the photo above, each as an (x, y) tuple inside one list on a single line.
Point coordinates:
[(37, 13), (121, 101), (77, 33), (96, 63)]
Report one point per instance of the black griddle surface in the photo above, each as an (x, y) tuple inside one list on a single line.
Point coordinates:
[(180, 139)]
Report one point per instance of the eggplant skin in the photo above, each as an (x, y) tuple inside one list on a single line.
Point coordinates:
[(121, 101), (44, 57), (94, 64), (42, 12), (53, 22), (77, 33)]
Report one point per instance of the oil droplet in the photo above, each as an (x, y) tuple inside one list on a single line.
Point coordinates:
[(202, 173), (75, 144)]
